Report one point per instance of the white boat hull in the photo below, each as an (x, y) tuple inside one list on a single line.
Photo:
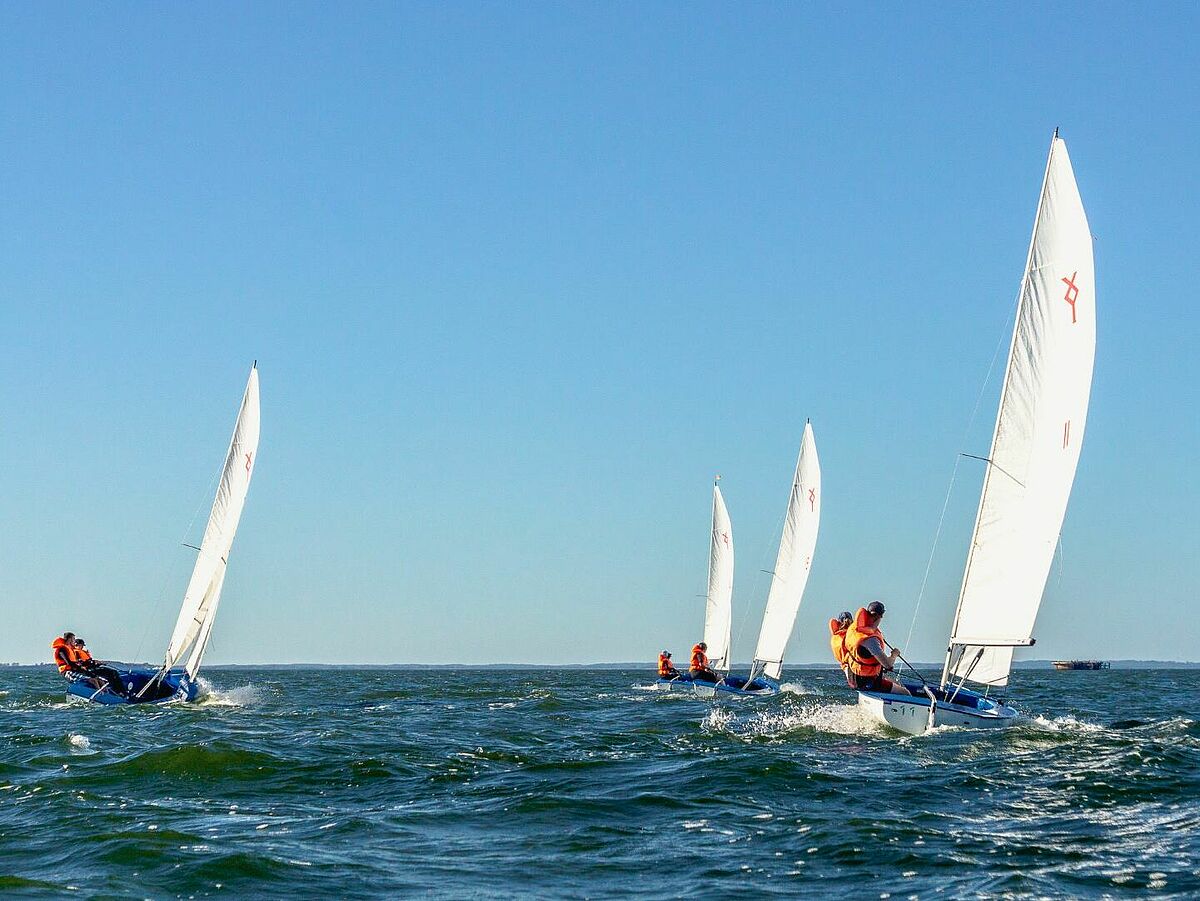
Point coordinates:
[(912, 714)]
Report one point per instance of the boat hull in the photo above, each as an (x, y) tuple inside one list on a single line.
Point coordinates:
[(731, 686), (911, 715), (174, 686)]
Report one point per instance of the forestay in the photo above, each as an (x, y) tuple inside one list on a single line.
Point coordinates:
[(203, 595), (1039, 432), (794, 560), (718, 610)]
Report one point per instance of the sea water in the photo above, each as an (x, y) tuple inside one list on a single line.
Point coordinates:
[(589, 784)]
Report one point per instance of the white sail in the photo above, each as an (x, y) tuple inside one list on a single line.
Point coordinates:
[(794, 559), (203, 594), (718, 610), (1039, 432)]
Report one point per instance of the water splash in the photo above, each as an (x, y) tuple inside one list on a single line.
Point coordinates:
[(836, 719), (80, 744), (241, 696), (795, 688)]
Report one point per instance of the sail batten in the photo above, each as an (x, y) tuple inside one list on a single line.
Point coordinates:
[(1037, 438), (203, 595), (718, 607), (794, 560)]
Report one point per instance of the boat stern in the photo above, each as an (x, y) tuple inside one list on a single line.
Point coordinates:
[(903, 713)]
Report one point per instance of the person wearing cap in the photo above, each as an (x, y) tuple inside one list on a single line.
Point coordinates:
[(866, 656), (110, 678), (699, 669), (837, 641), (666, 669)]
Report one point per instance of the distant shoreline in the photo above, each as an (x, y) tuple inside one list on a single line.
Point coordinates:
[(639, 665)]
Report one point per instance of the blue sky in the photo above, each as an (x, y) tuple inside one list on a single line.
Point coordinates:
[(521, 278)]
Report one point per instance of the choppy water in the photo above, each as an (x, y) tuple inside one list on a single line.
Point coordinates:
[(372, 783)]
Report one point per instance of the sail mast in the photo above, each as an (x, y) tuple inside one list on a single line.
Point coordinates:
[(1037, 219), (203, 594), (794, 560), (718, 608), (1031, 467)]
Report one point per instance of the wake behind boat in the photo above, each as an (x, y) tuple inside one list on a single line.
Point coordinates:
[(170, 682), (1030, 470)]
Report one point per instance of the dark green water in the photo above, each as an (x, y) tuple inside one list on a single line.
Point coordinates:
[(366, 784)]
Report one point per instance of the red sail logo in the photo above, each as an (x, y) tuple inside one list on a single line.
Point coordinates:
[(1072, 294)]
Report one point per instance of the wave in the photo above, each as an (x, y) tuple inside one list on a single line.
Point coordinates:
[(218, 761), (1065, 723)]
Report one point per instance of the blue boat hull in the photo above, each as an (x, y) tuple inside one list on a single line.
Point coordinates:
[(174, 686), (761, 687)]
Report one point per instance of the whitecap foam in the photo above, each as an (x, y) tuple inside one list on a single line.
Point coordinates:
[(717, 719), (241, 696), (79, 743), (838, 719), (1066, 723)]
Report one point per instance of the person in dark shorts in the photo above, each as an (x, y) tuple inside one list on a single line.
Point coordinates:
[(866, 653), (699, 669), (666, 669), (110, 678)]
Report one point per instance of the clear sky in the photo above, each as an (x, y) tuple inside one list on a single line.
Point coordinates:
[(521, 278)]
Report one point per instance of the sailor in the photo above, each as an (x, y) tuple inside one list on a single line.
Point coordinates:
[(666, 669), (68, 664), (700, 670), (837, 641), (866, 657), (96, 669)]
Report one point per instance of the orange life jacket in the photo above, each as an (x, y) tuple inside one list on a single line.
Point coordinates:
[(666, 668), (699, 658), (82, 654), (64, 654), (837, 641), (861, 661)]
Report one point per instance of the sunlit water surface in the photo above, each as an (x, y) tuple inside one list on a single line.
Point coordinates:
[(585, 784)]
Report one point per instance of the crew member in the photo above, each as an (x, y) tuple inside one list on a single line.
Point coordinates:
[(700, 670), (866, 657), (69, 666), (97, 669), (837, 641), (666, 669)]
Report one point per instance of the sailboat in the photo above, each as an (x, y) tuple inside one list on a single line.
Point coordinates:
[(792, 565), (193, 628), (1030, 471), (788, 580), (718, 602)]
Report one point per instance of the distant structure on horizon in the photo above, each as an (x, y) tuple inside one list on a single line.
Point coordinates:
[(1080, 664)]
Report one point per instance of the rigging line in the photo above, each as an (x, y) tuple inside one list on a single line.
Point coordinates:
[(160, 595), (778, 535), (932, 551), (954, 475)]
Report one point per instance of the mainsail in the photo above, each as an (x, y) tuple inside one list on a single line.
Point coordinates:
[(203, 594), (1039, 432), (794, 559), (718, 610)]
